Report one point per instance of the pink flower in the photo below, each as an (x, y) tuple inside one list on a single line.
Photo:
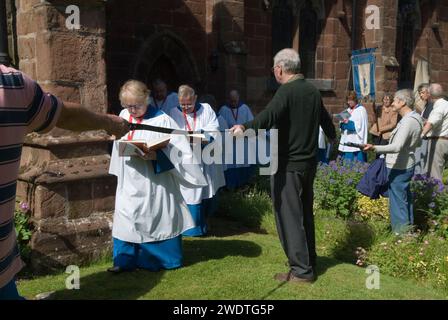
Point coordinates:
[(24, 206)]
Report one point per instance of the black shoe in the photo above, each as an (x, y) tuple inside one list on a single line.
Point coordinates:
[(116, 270), (289, 277)]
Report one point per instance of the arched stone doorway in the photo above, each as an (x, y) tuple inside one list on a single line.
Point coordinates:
[(165, 56)]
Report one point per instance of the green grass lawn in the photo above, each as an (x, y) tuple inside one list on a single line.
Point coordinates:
[(233, 263)]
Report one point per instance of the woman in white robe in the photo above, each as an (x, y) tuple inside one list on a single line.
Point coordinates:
[(193, 116), (150, 212), (354, 130)]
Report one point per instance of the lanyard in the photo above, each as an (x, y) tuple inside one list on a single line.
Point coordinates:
[(235, 117), (131, 133), (186, 120), (163, 102)]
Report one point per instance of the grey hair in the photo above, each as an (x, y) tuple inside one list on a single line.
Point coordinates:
[(406, 96), (289, 60), (436, 90), (423, 86), (186, 91)]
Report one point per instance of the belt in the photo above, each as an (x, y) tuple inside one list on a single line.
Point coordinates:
[(436, 138)]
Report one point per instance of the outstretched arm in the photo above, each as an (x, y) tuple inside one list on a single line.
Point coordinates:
[(77, 118)]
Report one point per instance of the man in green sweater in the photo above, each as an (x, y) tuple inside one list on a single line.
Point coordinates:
[(296, 111)]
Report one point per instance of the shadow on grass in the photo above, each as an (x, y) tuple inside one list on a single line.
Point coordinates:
[(225, 226), (133, 285), (358, 235), (202, 250)]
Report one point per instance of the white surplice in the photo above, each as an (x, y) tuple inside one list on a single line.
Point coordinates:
[(205, 120), (149, 207)]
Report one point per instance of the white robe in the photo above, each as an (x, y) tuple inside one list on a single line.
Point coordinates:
[(322, 140), (149, 207), (205, 120), (232, 118), (223, 126), (360, 118), (166, 105), (244, 115)]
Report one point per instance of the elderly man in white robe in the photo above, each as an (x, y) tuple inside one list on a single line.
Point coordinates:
[(193, 116), (236, 112), (150, 212), (161, 98)]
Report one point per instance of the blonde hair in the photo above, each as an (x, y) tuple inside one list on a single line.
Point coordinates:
[(186, 91), (135, 89)]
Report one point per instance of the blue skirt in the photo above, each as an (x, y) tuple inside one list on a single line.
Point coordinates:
[(200, 220), (153, 256)]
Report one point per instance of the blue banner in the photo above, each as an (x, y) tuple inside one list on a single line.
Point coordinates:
[(363, 66)]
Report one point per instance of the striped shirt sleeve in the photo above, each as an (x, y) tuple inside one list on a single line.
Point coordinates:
[(46, 108)]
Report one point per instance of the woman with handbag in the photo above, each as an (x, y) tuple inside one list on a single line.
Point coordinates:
[(400, 160)]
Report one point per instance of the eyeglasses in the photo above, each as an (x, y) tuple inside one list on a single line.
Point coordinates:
[(133, 106), (273, 68), (186, 104)]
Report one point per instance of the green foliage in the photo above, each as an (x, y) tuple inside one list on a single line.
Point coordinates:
[(335, 186), (253, 208), (423, 257), (430, 204), (23, 228), (369, 209)]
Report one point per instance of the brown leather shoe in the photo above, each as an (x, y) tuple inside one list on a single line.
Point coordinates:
[(289, 277)]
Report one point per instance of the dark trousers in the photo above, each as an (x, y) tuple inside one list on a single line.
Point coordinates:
[(292, 194)]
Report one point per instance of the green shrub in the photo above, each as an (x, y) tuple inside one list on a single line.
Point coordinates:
[(430, 204), (368, 209), (252, 208), (335, 186)]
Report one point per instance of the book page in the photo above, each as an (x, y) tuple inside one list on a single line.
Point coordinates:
[(130, 148), (141, 147), (344, 115)]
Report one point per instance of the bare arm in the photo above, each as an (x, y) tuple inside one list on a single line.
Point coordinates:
[(77, 118), (426, 128)]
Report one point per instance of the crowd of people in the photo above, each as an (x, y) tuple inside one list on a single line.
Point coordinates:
[(412, 141), (159, 201)]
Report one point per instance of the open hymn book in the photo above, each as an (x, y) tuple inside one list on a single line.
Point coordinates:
[(344, 115), (141, 147)]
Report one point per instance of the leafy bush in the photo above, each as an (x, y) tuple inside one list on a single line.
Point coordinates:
[(335, 186), (372, 209), (430, 204), (252, 208)]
